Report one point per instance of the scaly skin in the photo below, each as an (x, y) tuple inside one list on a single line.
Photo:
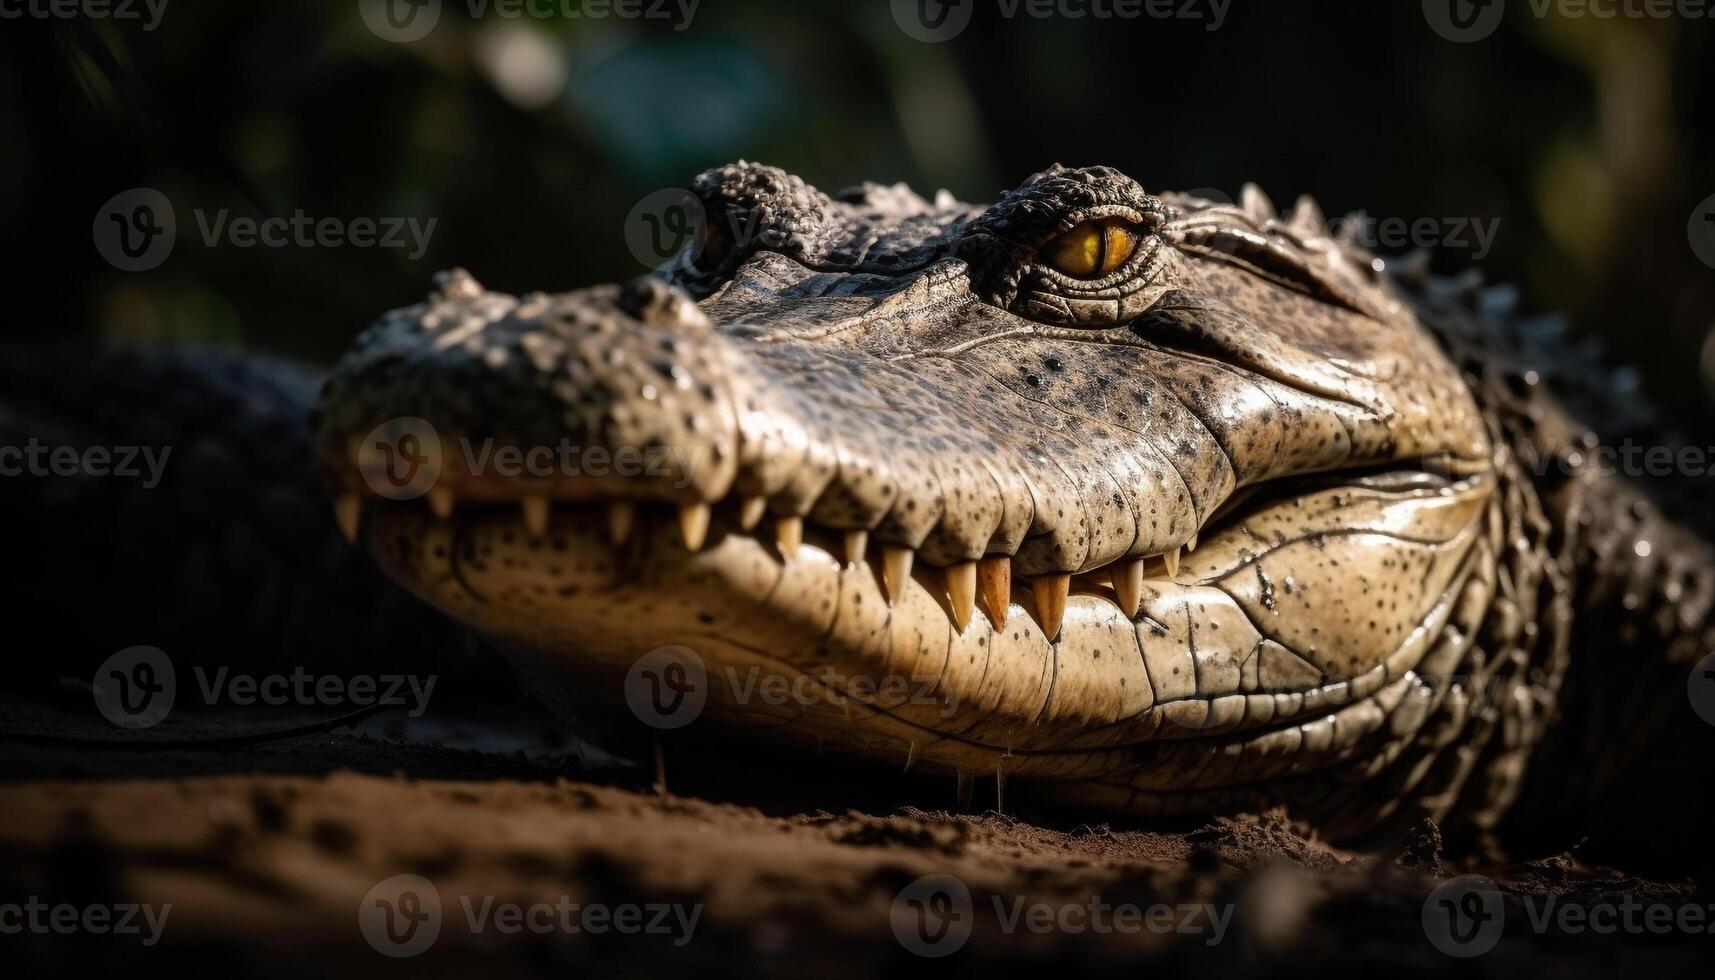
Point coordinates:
[(1250, 522)]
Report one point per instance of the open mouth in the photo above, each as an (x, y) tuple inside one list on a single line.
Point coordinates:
[(539, 519), (1248, 632)]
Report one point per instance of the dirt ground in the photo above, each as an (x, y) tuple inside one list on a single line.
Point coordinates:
[(544, 856)]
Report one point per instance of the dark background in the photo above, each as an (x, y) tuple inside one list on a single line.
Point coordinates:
[(529, 140)]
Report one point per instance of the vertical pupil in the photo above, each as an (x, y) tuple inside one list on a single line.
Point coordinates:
[(1101, 249)]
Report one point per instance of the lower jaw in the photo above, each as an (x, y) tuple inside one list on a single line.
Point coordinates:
[(809, 648)]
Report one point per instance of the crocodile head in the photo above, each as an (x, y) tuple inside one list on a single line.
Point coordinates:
[(1087, 483)]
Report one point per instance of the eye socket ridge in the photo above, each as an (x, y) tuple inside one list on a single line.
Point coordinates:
[(1094, 249)]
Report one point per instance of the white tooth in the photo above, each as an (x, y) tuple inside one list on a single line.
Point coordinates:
[(536, 513), (347, 510), (856, 543), (694, 523), (1128, 585), (1191, 545), (962, 592), (895, 570), (621, 517), (1171, 559), (441, 502), (750, 512), (788, 535)]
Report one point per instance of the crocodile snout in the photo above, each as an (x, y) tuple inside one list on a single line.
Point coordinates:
[(610, 392)]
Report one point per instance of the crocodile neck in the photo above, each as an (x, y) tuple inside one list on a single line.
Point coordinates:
[(1623, 609)]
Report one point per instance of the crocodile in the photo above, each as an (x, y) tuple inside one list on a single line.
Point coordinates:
[(1155, 504)]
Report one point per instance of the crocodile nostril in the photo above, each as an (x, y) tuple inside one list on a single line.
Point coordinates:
[(456, 284), (652, 301)]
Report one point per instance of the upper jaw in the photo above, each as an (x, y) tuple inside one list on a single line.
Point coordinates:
[(903, 409)]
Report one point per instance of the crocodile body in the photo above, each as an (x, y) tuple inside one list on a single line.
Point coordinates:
[(1165, 506)]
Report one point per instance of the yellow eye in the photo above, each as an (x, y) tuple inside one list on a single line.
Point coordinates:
[(1093, 249)]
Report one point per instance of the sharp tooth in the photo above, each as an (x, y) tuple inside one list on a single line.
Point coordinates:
[(621, 517), (1171, 559), (536, 511), (1191, 545), (347, 509), (962, 592), (856, 542), (694, 523), (441, 502), (1050, 593), (994, 581), (895, 570), (1128, 585), (750, 512), (788, 535)]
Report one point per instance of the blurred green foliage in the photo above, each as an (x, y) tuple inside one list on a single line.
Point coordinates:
[(528, 140)]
